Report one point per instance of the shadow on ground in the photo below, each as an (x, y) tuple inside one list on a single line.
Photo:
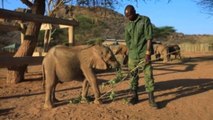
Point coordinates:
[(185, 87), (5, 111)]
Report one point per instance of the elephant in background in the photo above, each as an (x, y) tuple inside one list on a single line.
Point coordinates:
[(174, 50), (161, 51), (121, 53), (62, 64)]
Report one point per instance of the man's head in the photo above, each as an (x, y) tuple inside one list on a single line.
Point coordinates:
[(130, 12)]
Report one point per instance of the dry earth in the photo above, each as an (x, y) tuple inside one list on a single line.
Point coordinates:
[(184, 91)]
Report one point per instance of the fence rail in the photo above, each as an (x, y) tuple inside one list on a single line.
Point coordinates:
[(14, 61)]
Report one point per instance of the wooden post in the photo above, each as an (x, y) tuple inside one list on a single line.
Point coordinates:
[(47, 38), (22, 31), (22, 37), (71, 35)]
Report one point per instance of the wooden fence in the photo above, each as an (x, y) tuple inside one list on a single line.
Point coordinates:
[(202, 47), (18, 61)]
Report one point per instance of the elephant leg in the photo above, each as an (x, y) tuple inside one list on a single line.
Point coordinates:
[(48, 98), (176, 56), (49, 86), (54, 99), (93, 82), (179, 55), (96, 92), (169, 57), (85, 88), (165, 58)]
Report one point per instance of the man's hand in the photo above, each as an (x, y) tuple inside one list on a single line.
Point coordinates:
[(148, 58)]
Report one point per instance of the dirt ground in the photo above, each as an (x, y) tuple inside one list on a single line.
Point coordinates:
[(184, 91)]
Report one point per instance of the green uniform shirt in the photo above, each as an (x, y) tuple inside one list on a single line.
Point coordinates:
[(136, 35)]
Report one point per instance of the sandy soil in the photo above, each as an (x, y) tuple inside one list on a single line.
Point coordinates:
[(184, 91)]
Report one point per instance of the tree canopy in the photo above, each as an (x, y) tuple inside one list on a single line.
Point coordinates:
[(207, 5), (163, 32)]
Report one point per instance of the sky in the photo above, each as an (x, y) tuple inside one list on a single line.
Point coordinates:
[(184, 15)]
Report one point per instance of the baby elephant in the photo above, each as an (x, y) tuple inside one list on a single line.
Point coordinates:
[(62, 64), (174, 50), (161, 51), (121, 53)]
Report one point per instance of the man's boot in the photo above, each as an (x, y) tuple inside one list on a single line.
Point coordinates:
[(152, 102), (134, 99)]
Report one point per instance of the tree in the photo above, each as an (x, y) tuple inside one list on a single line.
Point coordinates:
[(206, 5), (94, 3), (16, 73), (163, 32)]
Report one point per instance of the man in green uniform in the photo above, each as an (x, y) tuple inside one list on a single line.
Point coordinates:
[(138, 36)]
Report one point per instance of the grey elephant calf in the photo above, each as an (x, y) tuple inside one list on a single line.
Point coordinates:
[(161, 51), (62, 64), (174, 50), (121, 53)]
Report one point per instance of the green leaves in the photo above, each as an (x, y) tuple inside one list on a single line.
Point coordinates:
[(112, 95), (81, 99), (119, 77), (75, 100)]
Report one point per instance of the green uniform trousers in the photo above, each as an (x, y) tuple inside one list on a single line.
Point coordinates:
[(148, 75)]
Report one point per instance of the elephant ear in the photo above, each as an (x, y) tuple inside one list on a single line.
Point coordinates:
[(98, 61)]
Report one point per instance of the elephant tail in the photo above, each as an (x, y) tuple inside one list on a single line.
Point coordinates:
[(44, 77)]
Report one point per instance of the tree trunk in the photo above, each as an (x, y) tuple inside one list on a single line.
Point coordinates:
[(16, 73)]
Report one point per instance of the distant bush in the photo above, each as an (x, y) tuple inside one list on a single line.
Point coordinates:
[(89, 28)]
